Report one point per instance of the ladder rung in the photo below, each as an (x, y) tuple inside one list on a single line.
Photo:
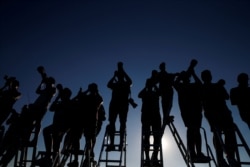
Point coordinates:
[(110, 160)]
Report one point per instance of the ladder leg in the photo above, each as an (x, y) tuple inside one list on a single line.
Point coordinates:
[(119, 160)]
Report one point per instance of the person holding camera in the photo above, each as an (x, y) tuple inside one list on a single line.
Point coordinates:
[(120, 85), (219, 117), (190, 105), (53, 134), (151, 120)]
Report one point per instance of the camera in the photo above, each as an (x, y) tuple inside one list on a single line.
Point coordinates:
[(41, 71), (132, 102)]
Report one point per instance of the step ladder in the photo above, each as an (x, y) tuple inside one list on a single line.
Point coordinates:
[(182, 148), (66, 156), (116, 157), (144, 161), (27, 153), (241, 144)]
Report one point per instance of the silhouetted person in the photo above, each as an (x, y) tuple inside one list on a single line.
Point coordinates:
[(74, 135), (219, 117), (240, 96), (53, 134), (190, 105), (151, 120), (120, 85), (9, 94), (166, 81), (17, 135), (46, 90), (90, 102), (93, 103)]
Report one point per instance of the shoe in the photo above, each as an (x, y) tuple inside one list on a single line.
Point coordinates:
[(73, 164), (222, 163), (233, 163), (201, 158), (110, 148)]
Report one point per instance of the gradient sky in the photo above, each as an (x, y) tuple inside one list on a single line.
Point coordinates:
[(80, 42)]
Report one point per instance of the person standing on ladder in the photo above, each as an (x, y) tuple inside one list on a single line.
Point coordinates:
[(190, 105), (151, 121), (120, 85), (240, 96), (219, 117), (166, 81)]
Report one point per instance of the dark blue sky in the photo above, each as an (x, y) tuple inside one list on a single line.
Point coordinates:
[(79, 42)]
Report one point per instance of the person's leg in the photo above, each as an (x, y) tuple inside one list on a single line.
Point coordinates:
[(146, 140), (166, 103), (157, 134), (123, 121), (111, 127), (47, 136), (191, 142)]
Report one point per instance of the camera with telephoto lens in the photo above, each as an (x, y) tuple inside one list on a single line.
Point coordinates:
[(41, 71), (132, 102)]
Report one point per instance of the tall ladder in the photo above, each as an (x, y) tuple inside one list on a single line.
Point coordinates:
[(144, 162), (183, 150), (22, 156), (114, 158), (241, 144)]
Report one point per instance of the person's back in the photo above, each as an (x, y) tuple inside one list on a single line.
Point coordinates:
[(120, 91), (189, 95), (150, 101), (240, 96), (62, 109)]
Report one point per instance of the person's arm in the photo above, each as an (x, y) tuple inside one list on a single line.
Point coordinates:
[(112, 80), (196, 78)]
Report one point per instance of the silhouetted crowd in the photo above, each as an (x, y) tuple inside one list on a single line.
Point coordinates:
[(83, 115)]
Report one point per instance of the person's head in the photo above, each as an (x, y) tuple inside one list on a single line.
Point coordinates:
[(162, 66), (15, 84), (149, 83), (243, 79), (50, 81), (120, 65), (93, 88), (206, 76), (66, 93)]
